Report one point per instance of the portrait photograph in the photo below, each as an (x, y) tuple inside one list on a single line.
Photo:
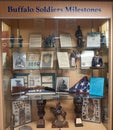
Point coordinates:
[(62, 84), (19, 61), (46, 59)]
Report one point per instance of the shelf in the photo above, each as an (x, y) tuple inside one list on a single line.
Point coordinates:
[(87, 126)]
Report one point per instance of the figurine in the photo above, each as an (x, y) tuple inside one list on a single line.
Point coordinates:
[(12, 41), (20, 40), (79, 37), (50, 41), (60, 116), (97, 60)]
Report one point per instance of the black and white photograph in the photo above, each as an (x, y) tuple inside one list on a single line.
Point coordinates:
[(62, 84), (19, 60), (46, 59)]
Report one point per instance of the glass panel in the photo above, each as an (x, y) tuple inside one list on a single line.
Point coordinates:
[(27, 84)]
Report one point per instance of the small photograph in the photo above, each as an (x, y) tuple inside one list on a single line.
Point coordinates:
[(46, 59), (62, 84), (16, 83), (19, 61)]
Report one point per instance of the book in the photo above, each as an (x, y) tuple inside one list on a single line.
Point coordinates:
[(63, 59), (96, 86)]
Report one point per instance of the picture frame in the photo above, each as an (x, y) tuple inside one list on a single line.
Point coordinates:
[(24, 76), (93, 40), (21, 110), (62, 84), (91, 110), (46, 59), (19, 60), (17, 85), (33, 61), (35, 41), (34, 80), (48, 80)]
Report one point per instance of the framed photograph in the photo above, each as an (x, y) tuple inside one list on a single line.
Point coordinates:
[(34, 80), (35, 40), (48, 80), (24, 76), (46, 59), (21, 109), (86, 59), (19, 61), (33, 61), (93, 40), (91, 110), (17, 84), (62, 84)]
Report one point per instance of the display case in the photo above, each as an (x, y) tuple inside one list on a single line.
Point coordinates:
[(56, 69), (44, 69)]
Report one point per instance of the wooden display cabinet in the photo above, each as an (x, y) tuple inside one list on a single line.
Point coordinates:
[(47, 27)]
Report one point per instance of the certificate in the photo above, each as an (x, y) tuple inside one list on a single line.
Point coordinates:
[(65, 40), (63, 59), (93, 40), (35, 40)]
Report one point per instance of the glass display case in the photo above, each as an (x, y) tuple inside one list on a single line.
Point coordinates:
[(44, 63)]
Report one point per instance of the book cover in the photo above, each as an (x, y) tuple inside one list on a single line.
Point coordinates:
[(96, 86)]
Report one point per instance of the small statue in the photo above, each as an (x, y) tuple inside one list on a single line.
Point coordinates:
[(60, 116), (97, 60), (79, 37), (12, 41), (78, 101), (50, 41), (41, 112), (20, 40)]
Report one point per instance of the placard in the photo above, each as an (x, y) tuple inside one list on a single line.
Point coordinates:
[(86, 59), (93, 40), (63, 59), (35, 40), (65, 40)]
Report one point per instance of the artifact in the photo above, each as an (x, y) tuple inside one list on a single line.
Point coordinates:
[(12, 41), (78, 101), (20, 41), (97, 60), (41, 112), (79, 37), (60, 117)]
